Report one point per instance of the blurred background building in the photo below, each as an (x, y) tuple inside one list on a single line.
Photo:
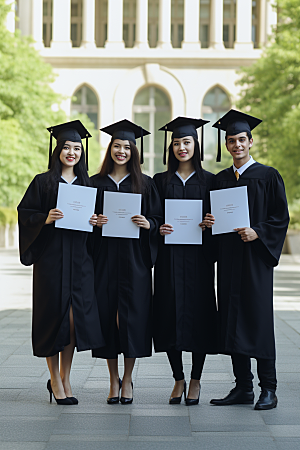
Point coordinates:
[(147, 60)]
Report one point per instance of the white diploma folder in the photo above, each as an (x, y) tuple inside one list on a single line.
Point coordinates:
[(77, 204), (184, 216), (230, 209), (119, 207)]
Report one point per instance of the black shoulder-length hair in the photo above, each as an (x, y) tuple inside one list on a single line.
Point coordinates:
[(54, 173), (173, 162), (138, 183)]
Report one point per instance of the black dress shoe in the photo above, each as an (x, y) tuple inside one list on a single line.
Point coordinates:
[(114, 400), (126, 400), (177, 400), (193, 401), (73, 400), (59, 401), (267, 400), (236, 396)]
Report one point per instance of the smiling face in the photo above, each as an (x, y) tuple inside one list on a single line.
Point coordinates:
[(120, 152), (183, 148), (71, 153), (239, 147)]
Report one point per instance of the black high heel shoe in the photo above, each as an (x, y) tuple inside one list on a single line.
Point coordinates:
[(73, 400), (114, 400), (59, 401), (125, 400), (177, 400), (193, 401)]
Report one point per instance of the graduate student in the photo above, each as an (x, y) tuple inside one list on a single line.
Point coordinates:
[(185, 314), (65, 311), (246, 262), (123, 280)]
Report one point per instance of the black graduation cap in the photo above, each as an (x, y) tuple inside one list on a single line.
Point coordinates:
[(127, 131), (234, 122), (181, 127), (72, 131)]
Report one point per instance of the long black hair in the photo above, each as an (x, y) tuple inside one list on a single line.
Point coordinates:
[(54, 173), (138, 182), (173, 162)]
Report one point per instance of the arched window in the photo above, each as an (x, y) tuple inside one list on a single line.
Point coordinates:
[(86, 102), (215, 104), (151, 110)]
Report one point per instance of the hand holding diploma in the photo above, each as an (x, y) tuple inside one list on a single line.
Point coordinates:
[(247, 234), (54, 214), (166, 229), (141, 221)]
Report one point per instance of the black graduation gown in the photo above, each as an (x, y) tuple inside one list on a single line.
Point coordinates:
[(123, 280), (62, 275), (245, 269), (185, 312)]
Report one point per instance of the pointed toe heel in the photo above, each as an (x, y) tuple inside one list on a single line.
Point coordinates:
[(125, 400), (114, 400), (59, 401), (177, 400)]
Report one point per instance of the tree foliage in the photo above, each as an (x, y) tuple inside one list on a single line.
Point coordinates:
[(271, 91)]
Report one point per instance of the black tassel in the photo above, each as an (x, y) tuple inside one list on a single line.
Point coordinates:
[(202, 144), (165, 148), (50, 150), (87, 152), (142, 147), (219, 146)]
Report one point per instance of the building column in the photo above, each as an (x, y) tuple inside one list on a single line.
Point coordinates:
[(271, 17), (216, 25), (37, 23), (191, 25), (61, 24), (115, 25), (164, 25), (88, 24), (141, 34), (243, 25), (11, 16)]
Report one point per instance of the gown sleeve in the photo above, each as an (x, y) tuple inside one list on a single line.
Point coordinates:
[(272, 232), (153, 213), (31, 218)]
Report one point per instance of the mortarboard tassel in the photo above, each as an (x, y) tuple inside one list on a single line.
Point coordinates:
[(142, 147), (165, 148), (50, 150), (87, 152), (219, 146), (202, 144)]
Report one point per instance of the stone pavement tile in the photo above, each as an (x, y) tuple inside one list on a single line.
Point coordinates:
[(26, 429), (223, 441), (131, 444), (24, 349), (284, 430), (282, 416), (153, 370), (9, 394), (159, 426), (287, 443), (17, 382), (150, 396), (93, 424), (22, 371), (159, 411), (23, 360), (22, 445), (29, 408), (145, 383)]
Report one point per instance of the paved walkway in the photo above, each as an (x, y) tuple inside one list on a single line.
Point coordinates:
[(29, 422)]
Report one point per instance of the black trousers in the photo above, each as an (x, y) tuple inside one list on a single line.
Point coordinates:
[(266, 372), (175, 359)]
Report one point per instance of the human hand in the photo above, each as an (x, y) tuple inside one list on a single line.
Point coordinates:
[(93, 220), (141, 221), (247, 234), (54, 214), (208, 221), (165, 229), (101, 220)]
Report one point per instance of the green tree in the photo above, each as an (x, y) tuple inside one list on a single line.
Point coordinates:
[(271, 91)]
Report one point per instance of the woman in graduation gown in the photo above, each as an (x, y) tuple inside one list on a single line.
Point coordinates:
[(65, 311), (185, 312), (123, 281)]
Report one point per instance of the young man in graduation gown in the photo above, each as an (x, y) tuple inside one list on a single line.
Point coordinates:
[(246, 262)]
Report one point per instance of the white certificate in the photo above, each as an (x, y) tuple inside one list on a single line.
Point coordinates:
[(119, 207), (230, 209), (77, 204), (184, 216)]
